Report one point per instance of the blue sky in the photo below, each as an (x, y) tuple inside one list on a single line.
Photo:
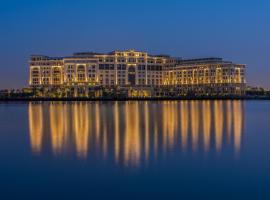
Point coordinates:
[(235, 30)]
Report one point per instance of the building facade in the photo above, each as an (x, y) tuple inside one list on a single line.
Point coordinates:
[(138, 71), (208, 76)]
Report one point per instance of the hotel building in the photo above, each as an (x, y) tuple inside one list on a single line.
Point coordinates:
[(136, 72)]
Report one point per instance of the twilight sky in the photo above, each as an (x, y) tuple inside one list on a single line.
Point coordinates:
[(237, 30)]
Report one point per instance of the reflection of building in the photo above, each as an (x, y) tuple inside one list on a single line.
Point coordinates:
[(58, 127), (238, 124), (132, 141), (142, 72), (35, 126), (136, 132), (81, 128), (206, 124)]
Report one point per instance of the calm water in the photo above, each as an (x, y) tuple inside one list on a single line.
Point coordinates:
[(135, 150)]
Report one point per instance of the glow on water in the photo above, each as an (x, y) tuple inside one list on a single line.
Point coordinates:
[(135, 150), (133, 131)]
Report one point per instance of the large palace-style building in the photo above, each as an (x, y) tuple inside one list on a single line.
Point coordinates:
[(138, 71)]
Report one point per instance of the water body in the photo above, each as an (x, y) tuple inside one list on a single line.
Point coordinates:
[(135, 150)]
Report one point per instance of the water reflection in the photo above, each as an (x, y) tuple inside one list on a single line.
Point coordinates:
[(58, 126), (81, 128), (218, 116), (206, 110), (130, 133), (36, 127)]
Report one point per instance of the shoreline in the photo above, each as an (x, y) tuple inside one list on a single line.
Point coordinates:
[(24, 99)]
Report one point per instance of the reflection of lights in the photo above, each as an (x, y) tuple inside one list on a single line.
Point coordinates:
[(206, 109), (35, 126), (105, 130), (169, 123), (229, 121), (135, 130), (194, 124), (218, 112), (237, 118), (184, 123), (146, 138), (81, 128), (132, 144), (117, 132), (98, 123), (57, 122)]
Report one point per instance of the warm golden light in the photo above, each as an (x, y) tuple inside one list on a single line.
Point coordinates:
[(169, 123), (206, 113), (97, 123), (35, 126), (184, 123), (146, 132), (208, 76), (238, 124), (81, 128), (58, 126), (132, 143), (194, 125), (117, 132), (135, 132), (218, 112), (229, 121)]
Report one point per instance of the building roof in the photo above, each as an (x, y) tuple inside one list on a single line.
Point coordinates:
[(202, 60)]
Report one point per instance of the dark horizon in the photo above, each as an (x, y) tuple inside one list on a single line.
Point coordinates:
[(236, 31)]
